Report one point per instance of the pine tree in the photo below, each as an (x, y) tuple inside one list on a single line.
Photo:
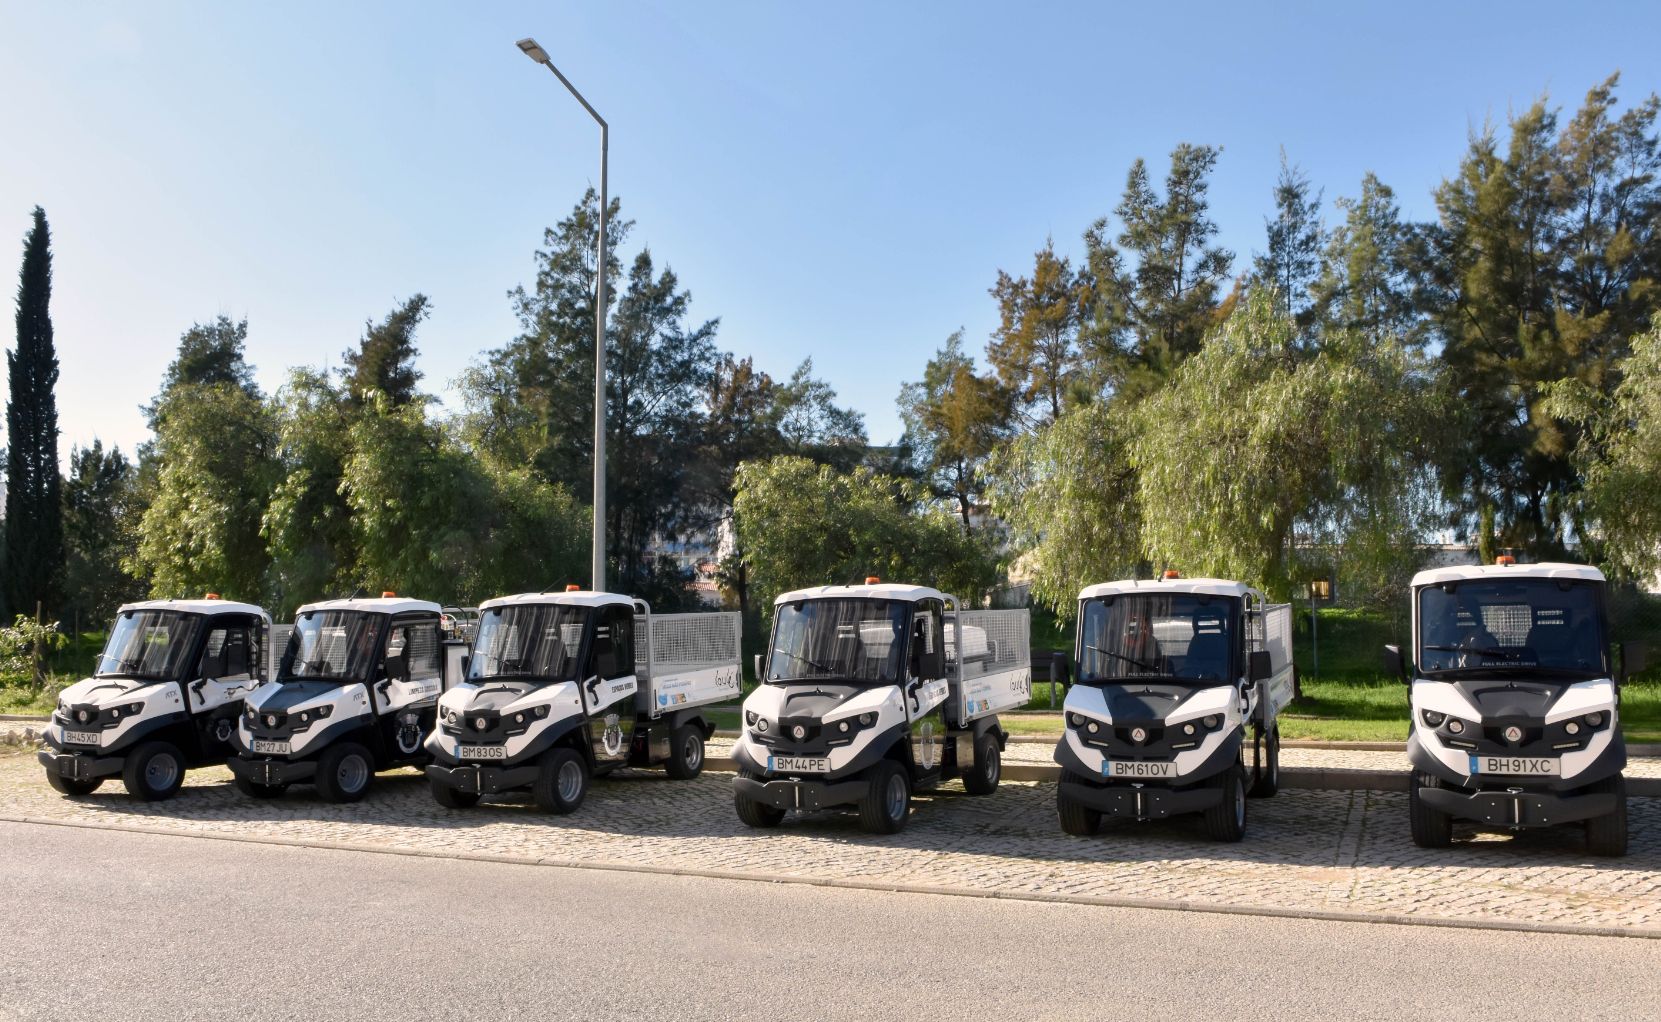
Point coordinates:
[(384, 360), (1296, 237), (1035, 348), (31, 564)]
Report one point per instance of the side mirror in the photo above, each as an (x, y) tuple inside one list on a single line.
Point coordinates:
[(1634, 658), (1261, 667), (929, 665), (397, 667), (1061, 669), (758, 668), (466, 663), (1394, 664)]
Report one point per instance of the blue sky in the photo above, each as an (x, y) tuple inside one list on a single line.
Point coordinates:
[(840, 181)]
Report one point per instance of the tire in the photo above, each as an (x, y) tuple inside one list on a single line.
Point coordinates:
[(71, 786), (561, 781), (1226, 821), (982, 776), (1431, 828), (154, 771), (450, 798), (756, 814), (253, 789), (1606, 835), (1267, 781), (344, 772), (686, 753), (887, 799), (1076, 818)]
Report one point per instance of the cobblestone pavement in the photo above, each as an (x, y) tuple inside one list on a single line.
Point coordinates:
[(1305, 851)]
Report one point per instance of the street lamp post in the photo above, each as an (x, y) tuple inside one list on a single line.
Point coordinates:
[(538, 54)]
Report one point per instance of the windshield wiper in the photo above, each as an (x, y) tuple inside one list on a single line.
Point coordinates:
[(1121, 656), (811, 663), (1487, 651)]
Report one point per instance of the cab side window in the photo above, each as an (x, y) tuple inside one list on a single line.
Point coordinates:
[(412, 650), (230, 652), (614, 643)]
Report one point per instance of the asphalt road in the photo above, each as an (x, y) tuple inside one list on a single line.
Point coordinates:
[(102, 924)]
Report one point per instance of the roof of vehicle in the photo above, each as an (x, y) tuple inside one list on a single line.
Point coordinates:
[(197, 607), (874, 591), (375, 605), (576, 598), (1208, 586), (1545, 569)]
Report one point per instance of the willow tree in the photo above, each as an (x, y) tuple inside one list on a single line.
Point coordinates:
[(1619, 456), (1253, 458)]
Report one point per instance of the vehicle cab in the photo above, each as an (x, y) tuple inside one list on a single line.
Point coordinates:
[(863, 700), (164, 697), (560, 687), (1515, 707), (1174, 703), (353, 694)]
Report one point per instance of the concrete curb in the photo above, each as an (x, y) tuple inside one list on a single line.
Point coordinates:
[(1263, 911)]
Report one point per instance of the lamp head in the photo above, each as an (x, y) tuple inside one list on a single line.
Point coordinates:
[(533, 51)]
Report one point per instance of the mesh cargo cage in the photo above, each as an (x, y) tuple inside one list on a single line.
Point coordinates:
[(685, 659), (988, 663)]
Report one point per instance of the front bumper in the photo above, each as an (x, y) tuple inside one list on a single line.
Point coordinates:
[(790, 794), (1145, 801), (479, 779), (273, 771), (77, 766), (1517, 807)]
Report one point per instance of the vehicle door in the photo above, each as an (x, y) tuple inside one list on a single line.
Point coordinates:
[(228, 667), (609, 688), (927, 686)]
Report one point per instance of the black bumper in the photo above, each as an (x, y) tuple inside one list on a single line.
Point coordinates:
[(1518, 808), (1144, 802), (273, 771), (788, 794), (478, 779), (78, 766)]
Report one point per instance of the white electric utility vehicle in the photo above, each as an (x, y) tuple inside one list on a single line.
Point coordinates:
[(563, 686), (353, 695), (164, 697), (1173, 676), (1515, 709), (872, 692)]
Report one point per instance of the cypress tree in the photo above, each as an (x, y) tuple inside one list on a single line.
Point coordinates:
[(31, 561)]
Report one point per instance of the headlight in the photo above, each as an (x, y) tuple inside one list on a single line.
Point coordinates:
[(1432, 718), (1075, 720), (867, 719), (1571, 728), (750, 717), (1594, 720), (1212, 722), (451, 717), (1456, 726), (761, 725), (842, 726), (1092, 727), (1188, 728), (541, 711)]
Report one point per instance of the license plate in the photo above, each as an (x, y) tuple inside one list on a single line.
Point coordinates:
[(81, 737), (484, 752), (271, 748), (1515, 766), (799, 764), (1138, 768)]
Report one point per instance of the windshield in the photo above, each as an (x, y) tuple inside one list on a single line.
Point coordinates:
[(533, 642), (150, 644), (1168, 636), (839, 640), (1540, 625), (332, 644)]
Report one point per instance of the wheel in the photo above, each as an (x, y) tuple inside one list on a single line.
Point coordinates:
[(1226, 821), (756, 814), (982, 776), (71, 786), (1432, 828), (253, 789), (1606, 835), (1268, 778), (561, 781), (344, 772), (1077, 818), (686, 753), (450, 798), (154, 771), (887, 799)]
